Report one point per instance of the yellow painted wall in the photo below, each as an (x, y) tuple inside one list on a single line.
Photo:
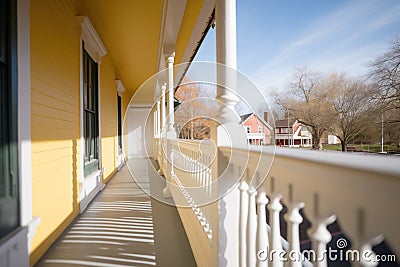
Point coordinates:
[(55, 59), (108, 117), (55, 100), (55, 118)]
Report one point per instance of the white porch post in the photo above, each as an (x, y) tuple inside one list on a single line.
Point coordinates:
[(158, 129), (163, 129), (163, 116), (171, 119), (225, 16)]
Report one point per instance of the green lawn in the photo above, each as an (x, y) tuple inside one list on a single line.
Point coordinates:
[(367, 148)]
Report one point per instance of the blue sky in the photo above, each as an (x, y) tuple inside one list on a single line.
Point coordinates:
[(277, 37)]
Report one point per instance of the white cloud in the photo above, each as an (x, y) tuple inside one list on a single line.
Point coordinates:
[(327, 44)]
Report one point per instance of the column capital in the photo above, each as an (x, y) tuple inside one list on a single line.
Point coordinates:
[(171, 58)]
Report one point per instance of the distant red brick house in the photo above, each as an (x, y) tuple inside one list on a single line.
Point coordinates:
[(297, 134), (258, 129)]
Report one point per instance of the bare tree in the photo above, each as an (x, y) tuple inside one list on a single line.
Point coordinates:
[(331, 103), (353, 108), (309, 101), (193, 116), (385, 74)]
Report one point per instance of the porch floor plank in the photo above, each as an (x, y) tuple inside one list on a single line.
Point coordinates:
[(124, 227)]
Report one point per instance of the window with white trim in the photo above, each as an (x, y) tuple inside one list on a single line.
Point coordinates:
[(93, 50), (90, 114), (260, 129)]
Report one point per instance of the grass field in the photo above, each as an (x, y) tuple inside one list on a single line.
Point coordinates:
[(366, 148)]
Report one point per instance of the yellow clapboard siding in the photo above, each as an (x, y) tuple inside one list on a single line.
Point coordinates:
[(54, 205), (51, 155), (40, 146), (45, 172), (109, 155), (108, 116), (40, 134), (50, 123), (55, 119), (46, 111), (46, 100), (67, 93)]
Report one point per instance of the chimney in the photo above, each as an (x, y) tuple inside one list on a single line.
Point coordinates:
[(266, 117)]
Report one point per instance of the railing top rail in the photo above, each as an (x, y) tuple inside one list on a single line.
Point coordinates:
[(380, 164)]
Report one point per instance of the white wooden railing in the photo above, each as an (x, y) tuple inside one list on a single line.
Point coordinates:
[(189, 168), (362, 191)]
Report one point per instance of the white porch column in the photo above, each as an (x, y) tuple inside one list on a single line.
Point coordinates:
[(171, 119), (232, 227), (163, 130), (158, 129), (163, 116), (225, 17)]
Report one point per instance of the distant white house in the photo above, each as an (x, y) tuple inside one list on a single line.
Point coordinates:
[(333, 140)]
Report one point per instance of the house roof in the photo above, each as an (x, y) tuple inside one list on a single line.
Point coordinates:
[(284, 123), (245, 117)]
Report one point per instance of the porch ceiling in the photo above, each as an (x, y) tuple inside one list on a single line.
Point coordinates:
[(130, 31), (136, 32)]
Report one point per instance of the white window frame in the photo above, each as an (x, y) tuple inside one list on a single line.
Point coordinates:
[(91, 185)]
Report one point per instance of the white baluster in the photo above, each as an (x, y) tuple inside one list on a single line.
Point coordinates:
[(368, 258), (262, 233), (275, 234), (320, 236), (244, 205), (252, 228), (294, 219)]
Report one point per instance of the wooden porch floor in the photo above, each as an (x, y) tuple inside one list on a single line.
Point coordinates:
[(124, 227)]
